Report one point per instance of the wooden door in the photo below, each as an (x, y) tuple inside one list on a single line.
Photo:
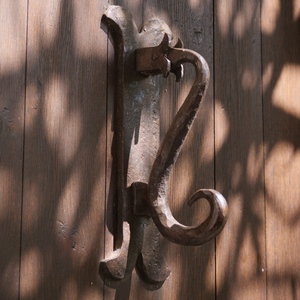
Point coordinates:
[(58, 183)]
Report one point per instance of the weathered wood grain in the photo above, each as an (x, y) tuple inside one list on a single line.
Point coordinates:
[(65, 146), (240, 257), (12, 97), (281, 82)]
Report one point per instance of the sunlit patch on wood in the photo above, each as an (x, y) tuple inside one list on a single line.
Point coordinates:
[(287, 90), (270, 12)]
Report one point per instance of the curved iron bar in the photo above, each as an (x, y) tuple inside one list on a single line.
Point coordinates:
[(166, 158)]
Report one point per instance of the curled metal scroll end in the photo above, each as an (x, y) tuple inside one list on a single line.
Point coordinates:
[(197, 234), (114, 268), (218, 209)]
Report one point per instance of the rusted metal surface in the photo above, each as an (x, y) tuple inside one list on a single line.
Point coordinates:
[(137, 140), (143, 166)]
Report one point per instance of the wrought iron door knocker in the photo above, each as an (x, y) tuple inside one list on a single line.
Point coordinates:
[(144, 166)]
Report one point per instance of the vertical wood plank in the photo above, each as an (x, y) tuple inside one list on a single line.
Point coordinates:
[(281, 73), (239, 150), (65, 147), (13, 16), (193, 270)]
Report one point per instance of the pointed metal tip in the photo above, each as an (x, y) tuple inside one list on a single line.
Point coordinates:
[(179, 43)]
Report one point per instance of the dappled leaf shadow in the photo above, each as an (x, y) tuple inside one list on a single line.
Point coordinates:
[(65, 147)]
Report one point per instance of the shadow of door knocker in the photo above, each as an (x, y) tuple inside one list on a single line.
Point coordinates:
[(143, 166)]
